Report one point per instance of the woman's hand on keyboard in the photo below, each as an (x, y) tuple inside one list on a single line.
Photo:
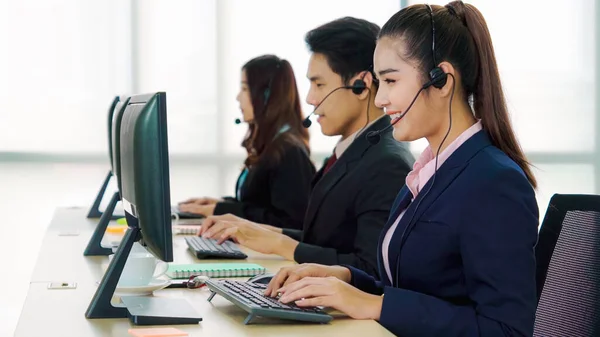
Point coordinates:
[(288, 275), (212, 220), (206, 210), (246, 233), (333, 293)]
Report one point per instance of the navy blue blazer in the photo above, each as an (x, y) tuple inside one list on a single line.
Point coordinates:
[(467, 266)]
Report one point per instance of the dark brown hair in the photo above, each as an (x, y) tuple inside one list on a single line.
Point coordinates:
[(276, 103), (462, 38)]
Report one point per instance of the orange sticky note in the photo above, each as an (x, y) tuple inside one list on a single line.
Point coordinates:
[(157, 332), (116, 229)]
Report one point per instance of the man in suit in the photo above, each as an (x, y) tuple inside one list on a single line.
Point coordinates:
[(353, 192)]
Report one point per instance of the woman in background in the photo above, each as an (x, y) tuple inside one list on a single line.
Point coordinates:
[(273, 187)]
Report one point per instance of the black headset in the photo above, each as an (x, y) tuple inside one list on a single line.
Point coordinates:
[(267, 93), (357, 87), (437, 76), (437, 79)]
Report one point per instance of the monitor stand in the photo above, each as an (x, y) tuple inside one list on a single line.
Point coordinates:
[(140, 310), (101, 306), (94, 212), (160, 311), (94, 247)]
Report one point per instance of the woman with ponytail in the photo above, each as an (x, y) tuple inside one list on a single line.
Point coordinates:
[(456, 257), (274, 185)]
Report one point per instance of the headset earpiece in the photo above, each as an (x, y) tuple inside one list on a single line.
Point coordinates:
[(437, 78), (358, 87)]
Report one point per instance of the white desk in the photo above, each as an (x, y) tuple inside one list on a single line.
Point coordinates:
[(61, 255), (61, 312)]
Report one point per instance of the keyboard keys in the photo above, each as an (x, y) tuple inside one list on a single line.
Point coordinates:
[(209, 248), (253, 292), (249, 296)]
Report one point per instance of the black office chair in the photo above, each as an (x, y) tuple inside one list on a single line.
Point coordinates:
[(568, 268)]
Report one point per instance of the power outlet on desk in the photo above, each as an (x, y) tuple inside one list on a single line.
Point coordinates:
[(62, 285)]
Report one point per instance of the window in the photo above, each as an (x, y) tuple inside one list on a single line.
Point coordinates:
[(60, 72), (83, 54), (546, 57), (176, 53), (70, 58)]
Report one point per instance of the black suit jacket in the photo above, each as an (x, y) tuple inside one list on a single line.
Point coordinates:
[(350, 204), (275, 194)]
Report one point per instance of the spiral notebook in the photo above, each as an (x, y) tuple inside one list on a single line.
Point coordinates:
[(185, 229), (179, 271)]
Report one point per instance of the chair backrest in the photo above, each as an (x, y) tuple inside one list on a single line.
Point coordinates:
[(568, 268)]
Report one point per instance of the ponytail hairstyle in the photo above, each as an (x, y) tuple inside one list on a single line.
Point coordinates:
[(462, 38), (276, 103)]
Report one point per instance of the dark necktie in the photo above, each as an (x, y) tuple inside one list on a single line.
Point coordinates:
[(330, 163)]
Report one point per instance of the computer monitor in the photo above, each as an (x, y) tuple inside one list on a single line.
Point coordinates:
[(144, 172), (94, 247), (94, 211), (144, 181)]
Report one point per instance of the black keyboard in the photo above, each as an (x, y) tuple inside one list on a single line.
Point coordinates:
[(249, 296), (185, 215), (209, 248)]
